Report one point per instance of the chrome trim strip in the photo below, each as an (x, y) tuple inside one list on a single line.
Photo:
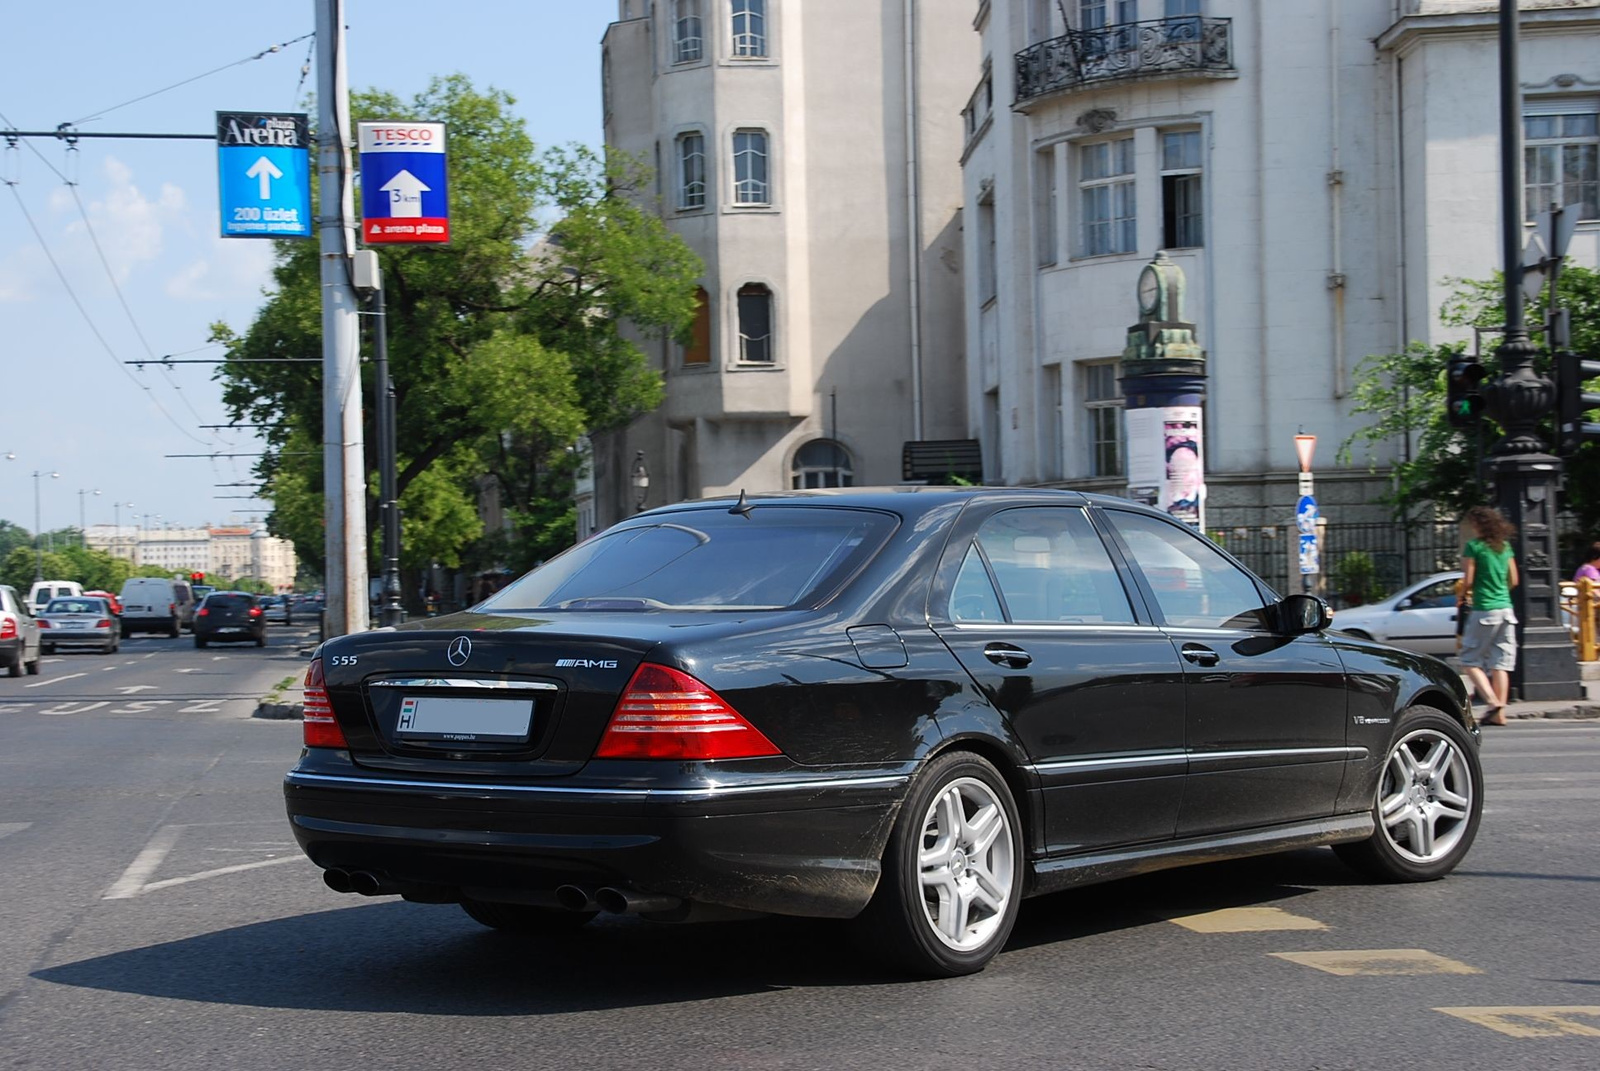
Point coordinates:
[(1121, 762), (1002, 626), (463, 682), (1346, 753), (709, 792)]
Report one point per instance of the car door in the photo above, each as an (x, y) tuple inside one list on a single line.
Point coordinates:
[(1035, 607), (1266, 711), (1425, 619)]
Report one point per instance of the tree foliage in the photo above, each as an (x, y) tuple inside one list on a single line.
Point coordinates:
[(94, 569), (504, 345), (1404, 395)]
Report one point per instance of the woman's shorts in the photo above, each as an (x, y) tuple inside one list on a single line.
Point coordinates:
[(1490, 640)]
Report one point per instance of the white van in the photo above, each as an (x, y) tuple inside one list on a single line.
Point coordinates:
[(151, 604), (43, 591)]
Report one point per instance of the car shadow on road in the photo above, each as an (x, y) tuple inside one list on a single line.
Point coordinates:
[(390, 956)]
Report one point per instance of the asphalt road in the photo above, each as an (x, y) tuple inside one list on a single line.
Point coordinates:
[(157, 916)]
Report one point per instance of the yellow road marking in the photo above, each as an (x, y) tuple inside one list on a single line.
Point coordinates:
[(1534, 1021), (1379, 961), (1246, 920)]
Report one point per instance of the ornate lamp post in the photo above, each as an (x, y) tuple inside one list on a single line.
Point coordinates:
[(1164, 382), (83, 530), (1525, 473)]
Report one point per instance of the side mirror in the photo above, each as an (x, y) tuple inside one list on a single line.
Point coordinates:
[(1300, 614), (1405, 604)]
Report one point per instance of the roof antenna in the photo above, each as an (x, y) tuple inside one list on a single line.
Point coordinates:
[(742, 507)]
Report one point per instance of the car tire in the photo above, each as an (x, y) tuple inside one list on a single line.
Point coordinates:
[(261, 641), (45, 649), (526, 919), (32, 668), (174, 629), (198, 642), (955, 852), (14, 667), (1428, 802)]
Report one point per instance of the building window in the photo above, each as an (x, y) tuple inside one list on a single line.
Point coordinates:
[(1105, 187), (1098, 14), (691, 171), (1044, 204), (755, 324), (988, 267), (688, 31), (698, 352), (822, 463), (750, 183), (981, 104), (750, 28), (1052, 465), (1182, 216), (1102, 398), (1561, 156)]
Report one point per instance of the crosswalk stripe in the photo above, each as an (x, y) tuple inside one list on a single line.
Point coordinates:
[(1347, 962), (1246, 920), (1534, 1021)]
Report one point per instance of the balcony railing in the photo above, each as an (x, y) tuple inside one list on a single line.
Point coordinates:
[(1125, 50)]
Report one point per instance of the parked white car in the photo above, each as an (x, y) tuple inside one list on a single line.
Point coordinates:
[(43, 591), (1420, 617)]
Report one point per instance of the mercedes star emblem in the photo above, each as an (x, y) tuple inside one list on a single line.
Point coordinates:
[(459, 651)]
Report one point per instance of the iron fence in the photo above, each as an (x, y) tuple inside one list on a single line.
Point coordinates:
[(1360, 562)]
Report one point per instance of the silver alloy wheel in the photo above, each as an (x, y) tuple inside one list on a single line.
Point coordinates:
[(1425, 800), (967, 862)]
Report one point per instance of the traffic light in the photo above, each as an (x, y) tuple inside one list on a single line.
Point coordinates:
[(1573, 402), (1463, 400), (197, 577)]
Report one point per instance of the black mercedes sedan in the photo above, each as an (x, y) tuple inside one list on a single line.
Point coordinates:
[(908, 707)]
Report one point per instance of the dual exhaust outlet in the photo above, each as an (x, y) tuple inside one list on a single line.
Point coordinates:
[(572, 897)]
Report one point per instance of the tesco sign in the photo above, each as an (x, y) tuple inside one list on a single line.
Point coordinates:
[(423, 137), (404, 183)]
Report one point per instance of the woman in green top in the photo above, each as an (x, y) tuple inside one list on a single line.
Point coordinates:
[(1489, 643)]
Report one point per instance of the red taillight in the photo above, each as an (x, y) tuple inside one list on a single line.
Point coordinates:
[(202, 612), (42, 624), (8, 628), (321, 729), (105, 623), (667, 714), (172, 607), (255, 611)]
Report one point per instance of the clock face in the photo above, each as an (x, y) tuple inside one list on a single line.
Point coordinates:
[(1149, 290)]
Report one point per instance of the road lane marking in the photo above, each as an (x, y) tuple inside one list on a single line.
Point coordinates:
[(167, 883), (1378, 961), (54, 680), (152, 654), (1246, 920), (203, 706), (1534, 1021), (187, 669), (107, 669), (83, 708), (129, 689), (131, 883), (8, 828), (219, 657)]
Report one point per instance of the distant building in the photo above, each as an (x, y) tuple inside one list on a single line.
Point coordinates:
[(809, 153), (222, 553)]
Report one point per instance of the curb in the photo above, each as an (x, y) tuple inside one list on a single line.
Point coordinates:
[(1565, 712), (277, 711)]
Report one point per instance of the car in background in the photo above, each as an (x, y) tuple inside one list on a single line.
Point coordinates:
[(150, 604), (19, 634), (277, 609), (200, 591), (45, 590), (230, 617), (116, 603), (79, 621), (1420, 617)]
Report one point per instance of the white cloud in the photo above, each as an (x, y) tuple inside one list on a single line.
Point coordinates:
[(130, 225), (231, 268)]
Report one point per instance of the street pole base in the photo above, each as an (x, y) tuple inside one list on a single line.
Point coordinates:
[(1548, 664)]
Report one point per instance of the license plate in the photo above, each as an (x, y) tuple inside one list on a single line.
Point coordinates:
[(74, 624), (449, 719)]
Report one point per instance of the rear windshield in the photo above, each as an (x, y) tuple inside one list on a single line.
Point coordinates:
[(773, 558), (75, 606), (229, 602)]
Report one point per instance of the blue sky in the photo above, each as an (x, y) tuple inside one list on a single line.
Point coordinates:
[(153, 207)]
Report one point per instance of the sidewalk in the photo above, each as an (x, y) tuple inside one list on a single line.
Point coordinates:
[(1566, 709)]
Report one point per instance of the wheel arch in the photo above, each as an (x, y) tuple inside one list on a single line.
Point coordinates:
[(1438, 700), (1012, 767)]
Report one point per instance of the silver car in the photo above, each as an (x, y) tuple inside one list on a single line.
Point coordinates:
[(79, 621), (1420, 617), (277, 610)]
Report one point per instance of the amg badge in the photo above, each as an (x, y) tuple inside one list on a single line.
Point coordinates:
[(586, 663)]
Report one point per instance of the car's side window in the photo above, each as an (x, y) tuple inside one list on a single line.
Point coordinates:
[(1053, 569), (1194, 585), (974, 598), (1434, 596)]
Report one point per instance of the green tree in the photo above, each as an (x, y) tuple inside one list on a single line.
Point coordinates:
[(504, 345), (1404, 394), (12, 536)]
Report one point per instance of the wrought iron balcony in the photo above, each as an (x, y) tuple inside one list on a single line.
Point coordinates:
[(1184, 43)]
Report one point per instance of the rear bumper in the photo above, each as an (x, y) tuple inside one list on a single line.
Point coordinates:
[(147, 622), (98, 637), (806, 844)]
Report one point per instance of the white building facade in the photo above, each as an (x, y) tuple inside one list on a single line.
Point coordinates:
[(222, 553), (808, 152), (1319, 169)]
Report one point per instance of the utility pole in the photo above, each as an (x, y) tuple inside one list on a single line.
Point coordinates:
[(1526, 474), (369, 279), (344, 470)]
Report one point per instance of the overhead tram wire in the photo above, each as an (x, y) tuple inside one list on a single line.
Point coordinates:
[(116, 287), (269, 50)]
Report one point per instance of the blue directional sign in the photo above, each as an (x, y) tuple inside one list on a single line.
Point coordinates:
[(405, 196), (1305, 515), (1310, 556), (264, 174)]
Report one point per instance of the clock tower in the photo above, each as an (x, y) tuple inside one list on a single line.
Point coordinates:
[(1164, 384)]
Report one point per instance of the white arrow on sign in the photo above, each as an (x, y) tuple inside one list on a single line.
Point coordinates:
[(266, 171), (129, 689), (405, 192)]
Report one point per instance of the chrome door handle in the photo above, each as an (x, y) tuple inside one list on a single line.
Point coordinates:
[(1200, 654), (1006, 655)]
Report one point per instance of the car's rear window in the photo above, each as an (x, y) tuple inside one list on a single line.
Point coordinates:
[(771, 558), (228, 602), (75, 606)]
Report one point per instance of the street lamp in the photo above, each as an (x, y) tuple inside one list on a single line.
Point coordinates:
[(38, 545), (639, 477), (83, 530), (116, 522)]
